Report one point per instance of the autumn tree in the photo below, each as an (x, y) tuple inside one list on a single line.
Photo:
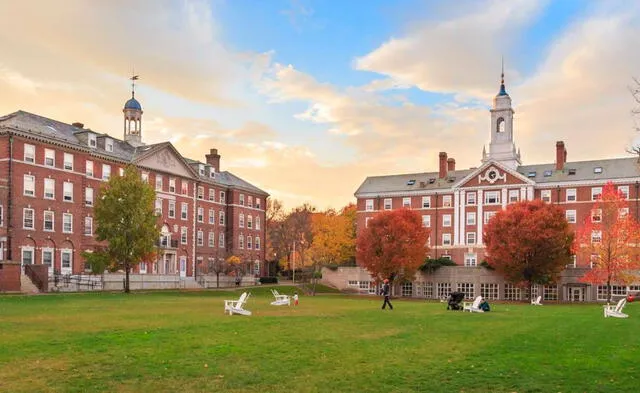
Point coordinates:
[(299, 232), (394, 244), (125, 217), (609, 239), (529, 242), (635, 93)]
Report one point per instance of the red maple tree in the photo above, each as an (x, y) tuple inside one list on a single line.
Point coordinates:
[(393, 245), (609, 239), (529, 242)]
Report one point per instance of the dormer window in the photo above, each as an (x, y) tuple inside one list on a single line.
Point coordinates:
[(547, 173), (92, 141), (201, 169), (108, 144), (531, 174), (597, 169)]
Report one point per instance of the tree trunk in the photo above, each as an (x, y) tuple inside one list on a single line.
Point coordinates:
[(217, 279), (609, 299), (530, 290), (126, 277)]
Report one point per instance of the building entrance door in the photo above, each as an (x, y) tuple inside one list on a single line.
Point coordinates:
[(576, 294)]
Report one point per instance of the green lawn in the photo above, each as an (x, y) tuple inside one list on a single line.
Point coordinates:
[(182, 342)]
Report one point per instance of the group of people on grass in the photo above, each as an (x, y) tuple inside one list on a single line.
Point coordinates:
[(386, 292)]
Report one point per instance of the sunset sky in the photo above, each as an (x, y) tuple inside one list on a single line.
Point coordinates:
[(305, 98)]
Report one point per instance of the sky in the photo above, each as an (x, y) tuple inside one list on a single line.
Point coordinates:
[(306, 98)]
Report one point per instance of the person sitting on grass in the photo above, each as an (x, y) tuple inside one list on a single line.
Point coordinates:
[(484, 305)]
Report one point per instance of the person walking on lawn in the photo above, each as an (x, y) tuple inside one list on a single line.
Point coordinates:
[(386, 291)]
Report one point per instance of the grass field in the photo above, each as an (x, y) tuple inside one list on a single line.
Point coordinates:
[(182, 342)]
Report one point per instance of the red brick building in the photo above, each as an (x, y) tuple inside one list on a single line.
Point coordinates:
[(456, 204), (51, 173)]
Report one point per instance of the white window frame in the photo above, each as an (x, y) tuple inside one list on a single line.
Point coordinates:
[(471, 259), (471, 238), (49, 189), (241, 220), (212, 194), (406, 202), (184, 187), (249, 242), (571, 195), (26, 222), (184, 210), (221, 218), (88, 226), (446, 220), (388, 204), (545, 195), (596, 192), (200, 238), (50, 158), (624, 190), (471, 218), (212, 217), (223, 197), (212, 239), (571, 216), (158, 183), (471, 199), (67, 163), (596, 215), (426, 221), (66, 269), (249, 221), (52, 220), (368, 205), (108, 144), (514, 196), (106, 171), (446, 201), (184, 235), (29, 249), (492, 197), (92, 140), (426, 202), (446, 239), (158, 206), (172, 184), (88, 196), (221, 240), (256, 243), (257, 223), (29, 153), (67, 223), (51, 252), (172, 209), (200, 215), (29, 185), (200, 193), (241, 241), (241, 200), (67, 191), (88, 168)]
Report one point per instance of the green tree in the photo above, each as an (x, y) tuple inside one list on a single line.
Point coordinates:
[(126, 219)]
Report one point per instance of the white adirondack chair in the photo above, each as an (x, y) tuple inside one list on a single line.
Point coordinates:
[(537, 301), (237, 306), (473, 307), (281, 300), (615, 311)]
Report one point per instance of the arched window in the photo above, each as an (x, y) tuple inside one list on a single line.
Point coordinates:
[(501, 125)]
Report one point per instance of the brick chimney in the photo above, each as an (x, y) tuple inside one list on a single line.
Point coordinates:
[(561, 155), (443, 165), (213, 159), (451, 164), (78, 124)]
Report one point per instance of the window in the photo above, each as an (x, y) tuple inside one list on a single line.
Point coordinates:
[(67, 164), (49, 157), (212, 239), (183, 210), (257, 203), (241, 242), (471, 259), (531, 174), (92, 140), (212, 216), (446, 220), (27, 255), (49, 188), (471, 198), (446, 239), (88, 168), (200, 214), (571, 194), (257, 223), (221, 218), (67, 191), (241, 221), (366, 221), (570, 216), (426, 221), (623, 212), (29, 153), (221, 240), (249, 221), (488, 216), (47, 257), (249, 201), (222, 197), (88, 226), (597, 170), (241, 199), (29, 185), (200, 192), (512, 292), (547, 173), (623, 191), (444, 289), (446, 201), (406, 202), (27, 218), (596, 237), (1, 216), (66, 260), (387, 204), (491, 197), (545, 195), (158, 206), (471, 218), (249, 243), (596, 193), (158, 182), (201, 169), (108, 144), (172, 184), (407, 289), (573, 261), (471, 238), (550, 292), (106, 172), (49, 219), (596, 215), (183, 235), (67, 223), (172, 209), (200, 238), (184, 187), (514, 196), (489, 291), (426, 202), (88, 196), (368, 205), (212, 194), (467, 288), (424, 289)]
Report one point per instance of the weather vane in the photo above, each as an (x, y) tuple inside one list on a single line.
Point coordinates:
[(133, 79)]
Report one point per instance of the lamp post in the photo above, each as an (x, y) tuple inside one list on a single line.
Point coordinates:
[(293, 263)]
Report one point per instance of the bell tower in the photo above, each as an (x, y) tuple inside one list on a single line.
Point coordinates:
[(502, 148), (133, 117)]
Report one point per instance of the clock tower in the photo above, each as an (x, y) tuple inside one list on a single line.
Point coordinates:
[(502, 148)]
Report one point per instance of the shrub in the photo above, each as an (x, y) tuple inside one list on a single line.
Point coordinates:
[(268, 280), (431, 265)]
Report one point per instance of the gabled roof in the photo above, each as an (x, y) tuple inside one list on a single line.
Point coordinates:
[(226, 178), (425, 181), (486, 165)]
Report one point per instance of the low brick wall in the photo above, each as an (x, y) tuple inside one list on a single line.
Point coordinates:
[(9, 276)]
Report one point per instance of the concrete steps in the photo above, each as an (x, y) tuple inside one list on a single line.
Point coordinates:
[(26, 285)]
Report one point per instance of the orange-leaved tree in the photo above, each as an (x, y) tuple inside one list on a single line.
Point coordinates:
[(393, 245), (609, 239), (529, 242)]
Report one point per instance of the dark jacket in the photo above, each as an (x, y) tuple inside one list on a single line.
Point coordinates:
[(386, 290)]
